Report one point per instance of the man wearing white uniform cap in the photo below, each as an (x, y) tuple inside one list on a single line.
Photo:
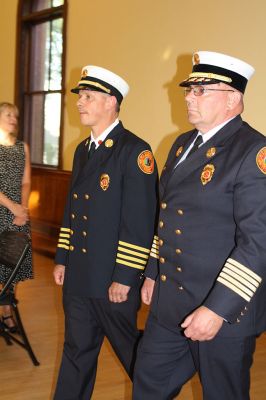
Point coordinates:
[(105, 237), (205, 278)]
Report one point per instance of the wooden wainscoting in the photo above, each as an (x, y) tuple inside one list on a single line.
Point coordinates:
[(47, 201)]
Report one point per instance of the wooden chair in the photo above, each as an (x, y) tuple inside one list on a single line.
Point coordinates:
[(13, 249)]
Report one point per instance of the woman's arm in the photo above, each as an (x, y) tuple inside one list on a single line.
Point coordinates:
[(26, 180)]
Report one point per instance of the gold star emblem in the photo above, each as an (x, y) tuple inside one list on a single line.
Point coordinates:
[(179, 151), (211, 152), (109, 143)]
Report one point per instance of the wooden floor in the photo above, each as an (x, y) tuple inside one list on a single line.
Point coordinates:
[(40, 307)]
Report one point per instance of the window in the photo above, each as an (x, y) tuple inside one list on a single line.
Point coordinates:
[(40, 72)]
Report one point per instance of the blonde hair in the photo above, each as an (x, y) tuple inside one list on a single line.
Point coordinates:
[(5, 105)]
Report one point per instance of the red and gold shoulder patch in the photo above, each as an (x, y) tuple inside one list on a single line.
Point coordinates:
[(261, 160), (146, 162)]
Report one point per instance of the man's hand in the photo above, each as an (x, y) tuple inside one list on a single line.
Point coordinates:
[(202, 324), (118, 292), (20, 221), (59, 274), (147, 291)]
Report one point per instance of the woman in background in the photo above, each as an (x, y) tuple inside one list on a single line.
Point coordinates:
[(15, 179)]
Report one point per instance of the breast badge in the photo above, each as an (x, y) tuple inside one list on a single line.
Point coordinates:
[(104, 181), (146, 162), (179, 151), (211, 152), (207, 173), (261, 160)]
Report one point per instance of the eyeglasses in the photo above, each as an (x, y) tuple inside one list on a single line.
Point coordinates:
[(200, 90)]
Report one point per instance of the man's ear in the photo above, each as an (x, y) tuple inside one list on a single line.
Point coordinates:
[(234, 99), (111, 101)]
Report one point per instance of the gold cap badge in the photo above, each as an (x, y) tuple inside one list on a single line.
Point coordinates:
[(109, 143), (196, 58), (207, 173), (84, 73)]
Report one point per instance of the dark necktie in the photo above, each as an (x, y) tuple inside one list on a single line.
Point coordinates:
[(195, 146), (92, 149)]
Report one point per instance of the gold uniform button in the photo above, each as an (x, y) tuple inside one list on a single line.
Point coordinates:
[(71, 232), (85, 217), (75, 196), (160, 242), (162, 260), (84, 250), (163, 278), (87, 196), (180, 212), (178, 251), (73, 216), (178, 231), (84, 233), (163, 206), (71, 248), (180, 288), (161, 224), (179, 269)]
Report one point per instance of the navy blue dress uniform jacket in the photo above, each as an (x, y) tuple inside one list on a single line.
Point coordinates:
[(109, 218), (211, 242)]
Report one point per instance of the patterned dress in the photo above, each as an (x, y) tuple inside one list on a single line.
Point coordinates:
[(12, 164)]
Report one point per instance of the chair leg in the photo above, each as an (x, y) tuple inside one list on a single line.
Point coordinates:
[(26, 343), (5, 335)]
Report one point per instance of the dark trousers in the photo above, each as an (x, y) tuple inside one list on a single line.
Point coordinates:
[(87, 322), (166, 360)]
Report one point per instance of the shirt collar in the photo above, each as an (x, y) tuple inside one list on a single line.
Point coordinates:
[(104, 134), (208, 135)]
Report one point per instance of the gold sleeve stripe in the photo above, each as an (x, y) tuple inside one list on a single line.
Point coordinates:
[(228, 272), (64, 235), (241, 276), (134, 253), (129, 264), (232, 287), (154, 255), (155, 250), (65, 229), (237, 284), (63, 246), (133, 246), (63, 241), (155, 247), (245, 269), (119, 255)]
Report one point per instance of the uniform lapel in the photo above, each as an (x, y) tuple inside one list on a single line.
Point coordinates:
[(200, 157), (176, 153), (103, 152)]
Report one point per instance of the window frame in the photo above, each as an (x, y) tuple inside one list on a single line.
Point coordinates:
[(23, 45)]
